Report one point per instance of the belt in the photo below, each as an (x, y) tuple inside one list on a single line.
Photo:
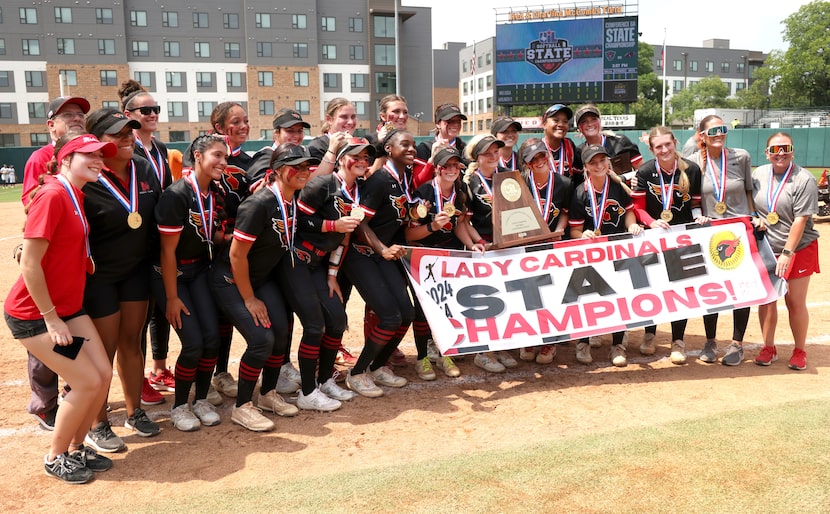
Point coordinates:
[(185, 262), (310, 247)]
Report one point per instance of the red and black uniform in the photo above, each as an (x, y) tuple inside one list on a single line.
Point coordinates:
[(617, 144), (567, 161), (424, 149), (180, 211), (266, 223), (123, 255), (480, 194), (553, 198), (444, 237)]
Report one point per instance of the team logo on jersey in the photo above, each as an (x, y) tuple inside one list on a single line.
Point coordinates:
[(302, 255), (548, 53), (726, 250), (655, 190), (342, 207), (363, 249), (399, 203), (196, 222), (236, 180), (485, 198), (279, 228)]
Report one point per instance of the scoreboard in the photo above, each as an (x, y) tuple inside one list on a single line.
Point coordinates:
[(569, 61)]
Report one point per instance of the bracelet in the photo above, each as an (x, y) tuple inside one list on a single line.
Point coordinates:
[(429, 227), (332, 272), (788, 253), (328, 161), (50, 310)]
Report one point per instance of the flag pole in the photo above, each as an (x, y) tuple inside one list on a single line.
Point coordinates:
[(473, 74), (663, 97)]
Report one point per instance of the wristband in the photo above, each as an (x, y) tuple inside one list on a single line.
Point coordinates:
[(788, 253), (332, 272), (481, 242), (50, 310), (429, 227), (330, 227)]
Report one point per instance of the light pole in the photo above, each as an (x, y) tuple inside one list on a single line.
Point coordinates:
[(685, 68), (417, 116)]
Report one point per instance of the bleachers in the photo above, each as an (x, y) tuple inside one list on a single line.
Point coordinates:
[(786, 118)]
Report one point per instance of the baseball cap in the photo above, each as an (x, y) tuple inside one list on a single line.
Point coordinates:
[(553, 109), (59, 103), (449, 112), (531, 151), (484, 144), (585, 109), (445, 154), (112, 123), (289, 118), (86, 143), (503, 123), (591, 151), (355, 145), (291, 155)]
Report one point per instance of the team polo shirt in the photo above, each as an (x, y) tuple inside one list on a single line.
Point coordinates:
[(617, 202), (444, 237), (560, 198), (799, 197), (261, 223), (177, 212), (648, 189), (322, 198)]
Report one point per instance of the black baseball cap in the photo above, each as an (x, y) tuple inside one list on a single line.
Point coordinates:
[(449, 112), (591, 151), (553, 109), (291, 155), (111, 124), (60, 102), (445, 154), (586, 109), (531, 151), (484, 144), (289, 118), (355, 145), (503, 123)]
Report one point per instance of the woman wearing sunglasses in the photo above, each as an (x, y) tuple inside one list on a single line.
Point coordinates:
[(786, 198), (726, 191)]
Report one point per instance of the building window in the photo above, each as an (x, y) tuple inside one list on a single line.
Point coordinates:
[(201, 50), (266, 78), (169, 19), (677, 86), (693, 83), (739, 86), (355, 24), (481, 83), (262, 20), (106, 47), (178, 136), (327, 23), (66, 46), (488, 58), (4, 78), (174, 78), (175, 110), (103, 16), (300, 50), (358, 81), (677, 65), (205, 108), (108, 78), (466, 89), (110, 104), (329, 52), (7, 140), (385, 82), (172, 49), (384, 55), (361, 108), (232, 51), (70, 76), (141, 48), (37, 110), (739, 67), (230, 20), (489, 80), (693, 66), (481, 105), (710, 67), (298, 21), (138, 18), (31, 47), (145, 78), (384, 26), (356, 52), (28, 16), (331, 80), (659, 65), (724, 67), (266, 134), (200, 20), (38, 139), (489, 107), (266, 107), (233, 79), (63, 15), (300, 79), (302, 106), (2, 46), (204, 79), (263, 49), (34, 79), (479, 63)]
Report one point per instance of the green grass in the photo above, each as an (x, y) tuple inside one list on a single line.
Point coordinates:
[(11, 194), (756, 460)]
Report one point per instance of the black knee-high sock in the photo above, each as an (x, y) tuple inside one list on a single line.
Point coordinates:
[(371, 348), (249, 370), (422, 335), (307, 356), (225, 336), (184, 376), (271, 373), (390, 347), (204, 372), (328, 354)]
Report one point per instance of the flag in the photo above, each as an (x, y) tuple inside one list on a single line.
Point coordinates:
[(473, 62)]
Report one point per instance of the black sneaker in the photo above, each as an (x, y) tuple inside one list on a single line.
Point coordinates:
[(143, 426), (67, 469), (90, 459), (47, 419), (103, 439), (734, 355)]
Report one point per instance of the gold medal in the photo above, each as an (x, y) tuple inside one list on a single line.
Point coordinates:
[(357, 213), (597, 232), (720, 207), (90, 266), (666, 215), (450, 209), (418, 211), (134, 220), (772, 218)]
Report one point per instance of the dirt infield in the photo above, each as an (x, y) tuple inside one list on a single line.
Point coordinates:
[(475, 412)]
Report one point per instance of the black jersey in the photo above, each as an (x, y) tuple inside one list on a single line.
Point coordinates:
[(480, 198), (235, 183), (553, 198), (567, 160), (444, 237), (260, 164), (323, 198), (261, 221), (179, 212), (424, 149), (117, 248), (649, 188), (157, 157), (385, 201), (617, 202), (617, 144)]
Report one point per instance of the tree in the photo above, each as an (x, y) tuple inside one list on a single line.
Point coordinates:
[(709, 92)]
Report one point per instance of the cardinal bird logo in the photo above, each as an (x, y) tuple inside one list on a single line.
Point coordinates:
[(279, 228), (399, 203), (196, 222), (726, 250), (302, 255), (342, 207)]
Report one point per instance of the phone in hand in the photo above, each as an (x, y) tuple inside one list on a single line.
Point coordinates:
[(71, 350)]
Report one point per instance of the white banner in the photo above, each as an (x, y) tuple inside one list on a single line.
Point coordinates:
[(619, 120), (553, 293)]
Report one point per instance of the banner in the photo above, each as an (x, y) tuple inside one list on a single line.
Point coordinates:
[(552, 293)]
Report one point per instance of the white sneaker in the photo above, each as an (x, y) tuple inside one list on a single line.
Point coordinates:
[(332, 390), (317, 400), (183, 418), (678, 352), (506, 359), (617, 355), (275, 403), (583, 353), (213, 396), (206, 413), (384, 376), (225, 384), (286, 385), (251, 418), (363, 385), (488, 363), (290, 372)]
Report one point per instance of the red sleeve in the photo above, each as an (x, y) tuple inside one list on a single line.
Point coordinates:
[(422, 172), (639, 198)]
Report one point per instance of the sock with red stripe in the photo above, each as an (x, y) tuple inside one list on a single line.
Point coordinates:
[(307, 356)]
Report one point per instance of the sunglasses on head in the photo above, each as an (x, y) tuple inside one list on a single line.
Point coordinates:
[(146, 110), (716, 131), (776, 149)]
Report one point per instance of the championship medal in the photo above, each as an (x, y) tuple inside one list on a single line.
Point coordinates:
[(597, 232), (720, 207), (134, 220), (772, 218), (666, 215), (357, 213), (450, 209), (418, 211)]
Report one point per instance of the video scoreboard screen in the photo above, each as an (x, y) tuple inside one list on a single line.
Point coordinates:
[(569, 61)]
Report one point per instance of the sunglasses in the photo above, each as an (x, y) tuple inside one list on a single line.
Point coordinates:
[(776, 149), (146, 110), (719, 130)]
